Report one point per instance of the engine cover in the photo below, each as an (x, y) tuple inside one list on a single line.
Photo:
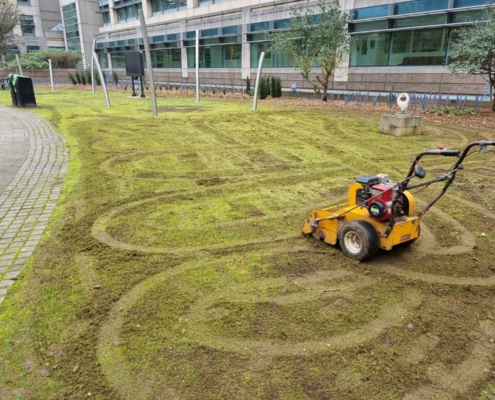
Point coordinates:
[(379, 207)]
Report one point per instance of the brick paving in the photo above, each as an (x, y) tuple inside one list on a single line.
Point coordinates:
[(33, 164)]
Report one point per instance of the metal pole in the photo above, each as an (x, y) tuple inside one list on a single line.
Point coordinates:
[(19, 64), (197, 66), (148, 61), (51, 73), (258, 75), (93, 83), (103, 83)]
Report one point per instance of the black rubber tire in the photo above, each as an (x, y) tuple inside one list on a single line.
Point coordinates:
[(359, 240)]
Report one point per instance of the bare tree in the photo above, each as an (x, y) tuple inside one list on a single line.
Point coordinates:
[(9, 18)]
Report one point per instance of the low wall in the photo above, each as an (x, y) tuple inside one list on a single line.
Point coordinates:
[(381, 82)]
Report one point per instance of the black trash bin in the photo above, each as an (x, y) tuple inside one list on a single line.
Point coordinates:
[(22, 91)]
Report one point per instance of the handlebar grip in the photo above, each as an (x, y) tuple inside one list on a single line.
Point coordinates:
[(450, 153)]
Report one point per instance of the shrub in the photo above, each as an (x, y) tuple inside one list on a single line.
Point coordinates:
[(264, 88), (39, 60), (72, 79), (115, 77), (276, 87), (83, 78), (78, 78), (89, 81), (248, 84)]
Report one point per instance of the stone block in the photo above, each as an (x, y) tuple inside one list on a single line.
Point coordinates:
[(401, 125)]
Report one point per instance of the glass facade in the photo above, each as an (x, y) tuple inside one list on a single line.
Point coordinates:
[(385, 35), (371, 12), (418, 6), (424, 20), (370, 49), (202, 3), (271, 60), (118, 60), (411, 47), (168, 58), (468, 3), (162, 6), (103, 60), (71, 27), (129, 13), (225, 56)]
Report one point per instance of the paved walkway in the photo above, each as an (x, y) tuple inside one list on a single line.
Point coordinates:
[(33, 164)]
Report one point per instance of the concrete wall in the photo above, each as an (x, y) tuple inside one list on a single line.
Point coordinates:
[(49, 13)]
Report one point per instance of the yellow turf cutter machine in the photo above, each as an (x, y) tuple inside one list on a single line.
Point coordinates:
[(380, 213)]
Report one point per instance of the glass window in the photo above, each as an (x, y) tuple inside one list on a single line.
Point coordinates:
[(106, 18), (281, 23), (32, 48), (27, 25), (467, 16), (168, 58), (103, 60), (209, 32), (271, 60), (468, 3), (230, 30), (118, 60), (410, 7), (420, 21), (370, 49), (191, 35), (419, 47), (260, 26), (129, 13), (226, 56), (208, 2), (24, 2), (371, 12), (370, 26), (71, 25), (258, 36)]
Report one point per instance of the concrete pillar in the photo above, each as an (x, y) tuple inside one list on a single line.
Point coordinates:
[(246, 47)]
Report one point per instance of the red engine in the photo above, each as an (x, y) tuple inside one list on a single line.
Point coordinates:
[(380, 186), (379, 207)]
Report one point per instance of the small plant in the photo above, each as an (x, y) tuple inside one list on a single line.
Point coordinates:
[(248, 84), (277, 87), (466, 111), (115, 77), (83, 78), (264, 88), (72, 79), (88, 77), (78, 78)]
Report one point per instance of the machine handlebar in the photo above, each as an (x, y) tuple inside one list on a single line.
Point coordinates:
[(444, 152)]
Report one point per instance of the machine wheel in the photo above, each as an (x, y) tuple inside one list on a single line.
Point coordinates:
[(359, 240)]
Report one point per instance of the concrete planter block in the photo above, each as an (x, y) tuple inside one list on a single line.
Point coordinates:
[(401, 125)]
